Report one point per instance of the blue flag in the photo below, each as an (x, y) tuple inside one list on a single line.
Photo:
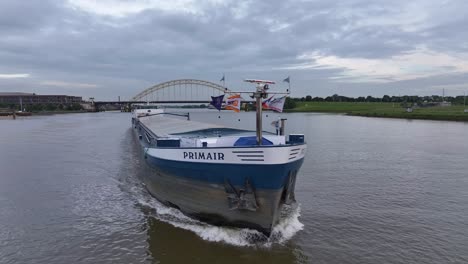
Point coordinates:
[(217, 101), (222, 79), (286, 80)]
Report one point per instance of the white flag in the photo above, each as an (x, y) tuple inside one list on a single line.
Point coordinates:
[(277, 104)]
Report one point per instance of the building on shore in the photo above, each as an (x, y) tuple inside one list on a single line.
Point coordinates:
[(16, 98), (445, 103)]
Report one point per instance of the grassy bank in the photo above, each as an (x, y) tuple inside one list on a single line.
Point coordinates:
[(451, 113)]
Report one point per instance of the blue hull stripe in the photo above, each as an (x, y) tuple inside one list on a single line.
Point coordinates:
[(261, 176)]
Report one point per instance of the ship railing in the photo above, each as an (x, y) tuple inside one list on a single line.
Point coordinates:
[(156, 141), (187, 115)]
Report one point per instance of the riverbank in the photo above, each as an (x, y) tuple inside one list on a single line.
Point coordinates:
[(9, 115), (389, 110), (59, 112)]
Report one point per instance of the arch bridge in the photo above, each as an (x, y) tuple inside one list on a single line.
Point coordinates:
[(183, 90)]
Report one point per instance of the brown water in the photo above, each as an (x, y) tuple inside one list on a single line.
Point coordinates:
[(371, 191)]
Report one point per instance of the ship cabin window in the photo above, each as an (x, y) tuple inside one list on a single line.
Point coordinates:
[(168, 143)]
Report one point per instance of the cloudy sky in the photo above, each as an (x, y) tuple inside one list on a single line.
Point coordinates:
[(108, 48)]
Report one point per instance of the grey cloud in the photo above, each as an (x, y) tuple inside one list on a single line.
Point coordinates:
[(21, 16), (55, 42)]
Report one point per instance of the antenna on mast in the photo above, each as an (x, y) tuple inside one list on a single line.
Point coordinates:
[(259, 94)]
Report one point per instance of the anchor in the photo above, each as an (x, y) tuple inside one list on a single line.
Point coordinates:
[(243, 198)]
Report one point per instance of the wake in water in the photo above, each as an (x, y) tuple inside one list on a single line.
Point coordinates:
[(287, 227)]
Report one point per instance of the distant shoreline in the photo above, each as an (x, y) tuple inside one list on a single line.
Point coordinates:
[(58, 112), (8, 115), (384, 110), (418, 117)]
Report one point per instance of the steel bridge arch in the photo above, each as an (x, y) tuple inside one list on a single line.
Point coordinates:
[(174, 83)]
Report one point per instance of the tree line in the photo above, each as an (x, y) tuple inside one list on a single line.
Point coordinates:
[(291, 102), (384, 99)]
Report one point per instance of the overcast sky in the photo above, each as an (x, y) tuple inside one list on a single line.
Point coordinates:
[(108, 48)]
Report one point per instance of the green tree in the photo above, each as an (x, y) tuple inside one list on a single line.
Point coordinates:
[(75, 107), (51, 107), (37, 107), (289, 103)]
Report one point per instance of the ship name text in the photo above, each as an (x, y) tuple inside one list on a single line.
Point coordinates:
[(203, 155)]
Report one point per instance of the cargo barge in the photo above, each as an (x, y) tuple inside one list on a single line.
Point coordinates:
[(217, 174)]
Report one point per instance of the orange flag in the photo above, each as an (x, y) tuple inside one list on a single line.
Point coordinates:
[(233, 102)]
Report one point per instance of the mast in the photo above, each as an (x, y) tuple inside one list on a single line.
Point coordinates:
[(224, 81), (258, 95)]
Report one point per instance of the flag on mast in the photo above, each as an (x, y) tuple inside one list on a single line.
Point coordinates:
[(233, 102), (222, 79), (277, 104), (288, 80), (217, 101), (266, 103)]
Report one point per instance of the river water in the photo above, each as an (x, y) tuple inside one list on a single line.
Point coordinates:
[(370, 191)]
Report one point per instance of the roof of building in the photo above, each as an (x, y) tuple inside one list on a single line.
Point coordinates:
[(14, 94), (31, 94)]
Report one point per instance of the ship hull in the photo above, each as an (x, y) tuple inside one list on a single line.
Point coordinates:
[(199, 190)]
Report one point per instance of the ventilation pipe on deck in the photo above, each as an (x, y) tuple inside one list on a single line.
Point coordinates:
[(282, 126)]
